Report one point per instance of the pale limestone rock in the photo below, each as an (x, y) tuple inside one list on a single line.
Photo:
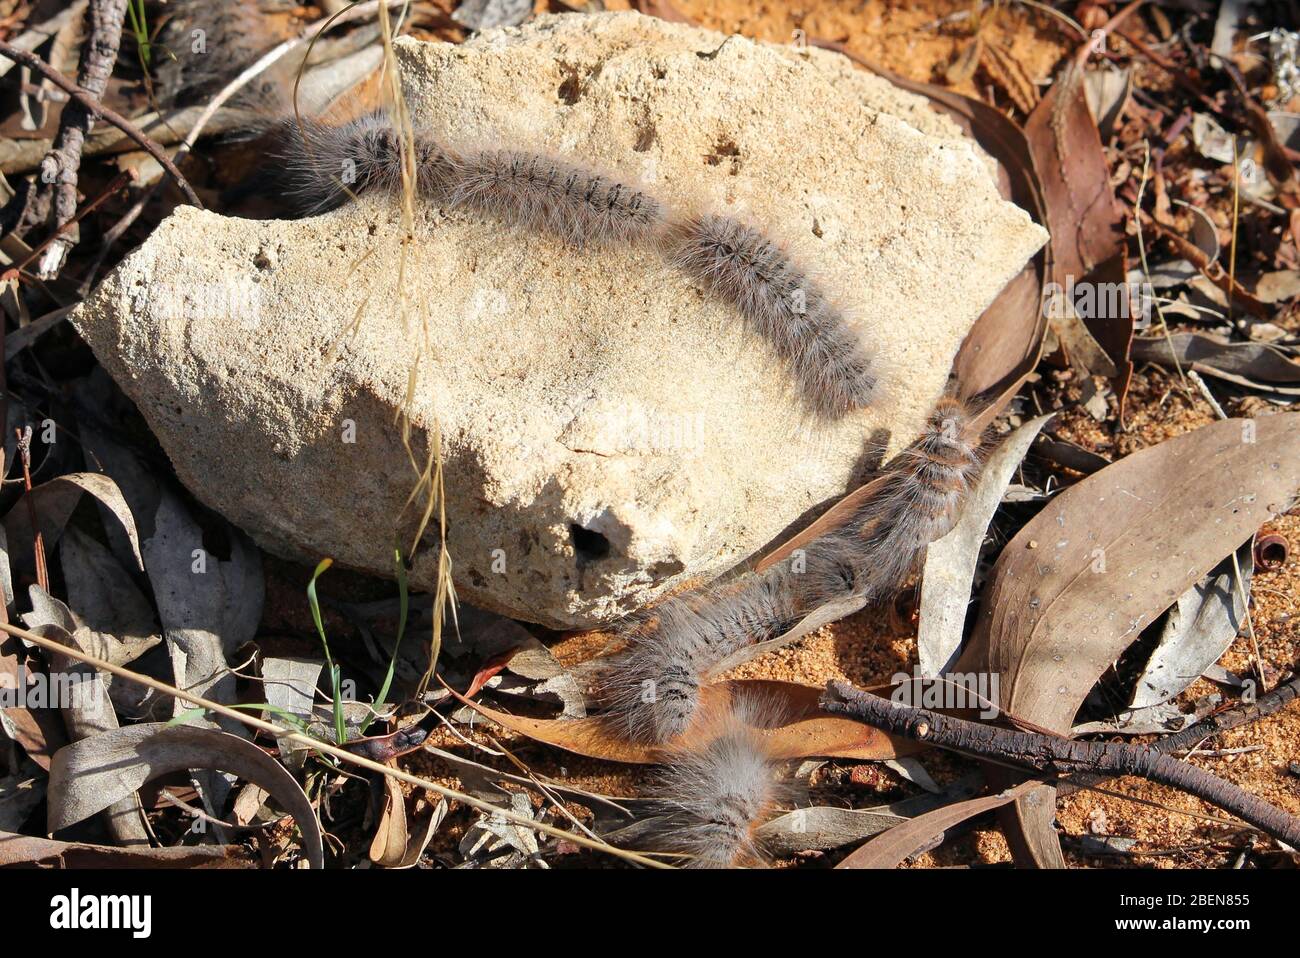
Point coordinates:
[(607, 432)]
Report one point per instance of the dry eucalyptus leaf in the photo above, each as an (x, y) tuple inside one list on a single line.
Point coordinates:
[(1108, 89), (537, 663), (289, 684), (400, 839), (1202, 624), (105, 597), (1255, 364), (54, 502), (950, 562), (891, 848), (822, 828), (1107, 556), (88, 776), (6, 576), (88, 713), (47, 610)]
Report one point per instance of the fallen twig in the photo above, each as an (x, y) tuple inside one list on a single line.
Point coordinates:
[(1057, 754), (57, 185), (108, 114), (120, 182)]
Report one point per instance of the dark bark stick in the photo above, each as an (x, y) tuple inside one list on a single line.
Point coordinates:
[(60, 167), (1057, 754), (86, 100), (1243, 714), (98, 57)]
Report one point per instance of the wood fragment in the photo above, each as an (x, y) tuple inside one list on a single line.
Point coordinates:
[(1053, 753)]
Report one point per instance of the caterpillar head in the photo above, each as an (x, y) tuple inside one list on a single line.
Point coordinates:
[(714, 794), (648, 693)]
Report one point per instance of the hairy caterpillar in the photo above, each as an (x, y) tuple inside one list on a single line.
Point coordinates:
[(324, 165), (710, 799), (650, 690), (921, 498), (321, 166), (537, 192), (784, 306)]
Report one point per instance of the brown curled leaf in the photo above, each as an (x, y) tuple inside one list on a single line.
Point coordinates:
[(805, 731)]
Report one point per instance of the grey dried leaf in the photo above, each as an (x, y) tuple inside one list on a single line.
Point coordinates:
[(6, 576), (536, 662), (1198, 630), (87, 711), (1255, 365), (487, 839), (105, 598), (821, 828), (913, 771), (1159, 719), (54, 502), (950, 562), (208, 606), (90, 775), (1278, 286), (1107, 90), (289, 684)]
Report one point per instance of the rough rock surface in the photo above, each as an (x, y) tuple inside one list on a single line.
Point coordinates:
[(607, 431)]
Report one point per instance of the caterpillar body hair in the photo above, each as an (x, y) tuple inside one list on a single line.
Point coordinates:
[(321, 166), (784, 306), (650, 690), (325, 165), (533, 191), (922, 496), (710, 799)]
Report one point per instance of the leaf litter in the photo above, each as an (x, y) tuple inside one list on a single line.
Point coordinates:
[(1083, 134)]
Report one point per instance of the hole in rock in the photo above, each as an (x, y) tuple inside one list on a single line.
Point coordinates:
[(588, 544)]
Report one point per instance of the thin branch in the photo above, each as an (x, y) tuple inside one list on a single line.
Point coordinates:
[(105, 113), (1057, 754), (60, 169)]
